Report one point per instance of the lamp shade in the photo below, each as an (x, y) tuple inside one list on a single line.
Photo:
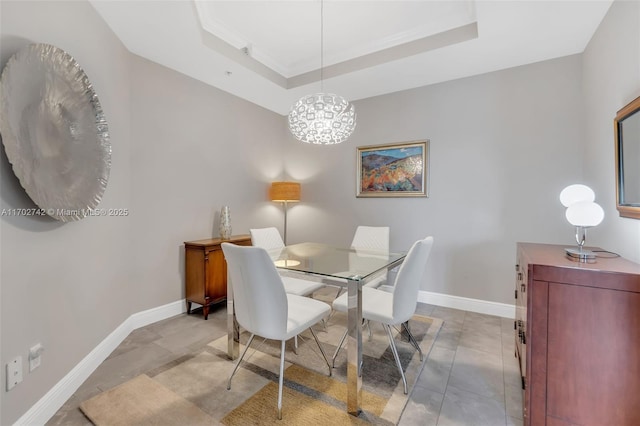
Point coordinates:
[(284, 191), (575, 194), (584, 213)]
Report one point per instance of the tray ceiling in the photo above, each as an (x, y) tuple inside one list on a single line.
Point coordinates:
[(269, 52)]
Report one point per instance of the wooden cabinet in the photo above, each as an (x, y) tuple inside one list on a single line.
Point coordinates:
[(577, 338), (206, 271)]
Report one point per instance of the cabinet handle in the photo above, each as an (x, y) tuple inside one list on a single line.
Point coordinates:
[(519, 276), (523, 287)]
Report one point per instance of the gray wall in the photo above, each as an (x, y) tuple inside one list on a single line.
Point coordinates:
[(611, 67), (65, 285), (181, 150), (194, 150), (503, 145)]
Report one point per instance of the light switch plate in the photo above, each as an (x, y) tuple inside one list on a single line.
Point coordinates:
[(35, 356)]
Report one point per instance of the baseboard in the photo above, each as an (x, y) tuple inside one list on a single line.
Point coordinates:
[(52, 401), (474, 305)]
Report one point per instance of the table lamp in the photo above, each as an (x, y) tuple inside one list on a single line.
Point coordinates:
[(285, 192), (582, 212)]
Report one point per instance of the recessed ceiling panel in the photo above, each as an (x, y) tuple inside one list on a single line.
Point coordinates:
[(286, 35)]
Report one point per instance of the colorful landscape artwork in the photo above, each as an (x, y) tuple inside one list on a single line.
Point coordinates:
[(397, 170)]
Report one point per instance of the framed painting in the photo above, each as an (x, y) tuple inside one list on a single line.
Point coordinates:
[(395, 170)]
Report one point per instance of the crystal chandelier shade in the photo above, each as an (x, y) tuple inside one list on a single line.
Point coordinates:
[(322, 118)]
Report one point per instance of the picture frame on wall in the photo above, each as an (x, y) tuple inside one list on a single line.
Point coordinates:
[(393, 170)]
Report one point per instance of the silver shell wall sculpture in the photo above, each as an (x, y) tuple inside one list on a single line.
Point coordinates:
[(54, 131)]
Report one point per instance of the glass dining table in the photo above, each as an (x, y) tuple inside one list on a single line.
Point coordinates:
[(347, 267)]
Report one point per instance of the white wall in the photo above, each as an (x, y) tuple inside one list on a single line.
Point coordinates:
[(503, 145), (611, 65)]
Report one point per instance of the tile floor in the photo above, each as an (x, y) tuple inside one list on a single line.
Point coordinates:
[(470, 378)]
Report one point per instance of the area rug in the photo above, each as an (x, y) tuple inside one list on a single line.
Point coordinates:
[(193, 389)]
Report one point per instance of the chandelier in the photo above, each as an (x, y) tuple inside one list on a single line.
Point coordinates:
[(322, 118)]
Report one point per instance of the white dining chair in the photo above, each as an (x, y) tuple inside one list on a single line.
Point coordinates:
[(270, 239), (396, 307), (372, 238), (264, 309), (369, 238)]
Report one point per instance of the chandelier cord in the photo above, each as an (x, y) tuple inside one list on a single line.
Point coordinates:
[(321, 46)]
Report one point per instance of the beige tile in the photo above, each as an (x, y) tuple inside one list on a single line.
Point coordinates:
[(138, 338), (425, 309), (436, 371), (513, 401), (481, 340), (478, 372), (115, 371), (512, 421), (473, 320), (423, 408), (449, 337), (507, 325), (449, 315), (449, 390), (183, 342), (462, 408)]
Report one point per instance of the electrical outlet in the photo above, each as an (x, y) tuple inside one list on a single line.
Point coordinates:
[(14, 372)]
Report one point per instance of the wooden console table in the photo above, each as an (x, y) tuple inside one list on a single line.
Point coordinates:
[(577, 338), (206, 271)]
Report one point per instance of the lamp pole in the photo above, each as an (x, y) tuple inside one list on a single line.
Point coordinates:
[(284, 203), (285, 192)]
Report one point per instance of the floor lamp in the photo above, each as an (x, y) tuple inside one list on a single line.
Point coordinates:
[(285, 192)]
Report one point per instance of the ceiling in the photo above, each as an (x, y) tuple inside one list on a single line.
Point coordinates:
[(274, 52)]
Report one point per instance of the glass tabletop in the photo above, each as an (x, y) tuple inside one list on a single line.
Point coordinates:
[(336, 262)]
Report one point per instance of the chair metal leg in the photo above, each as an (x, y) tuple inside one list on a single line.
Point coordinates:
[(412, 339), (335, 355), (239, 361), (295, 345), (340, 290), (313, 333), (344, 336), (396, 356), (280, 380)]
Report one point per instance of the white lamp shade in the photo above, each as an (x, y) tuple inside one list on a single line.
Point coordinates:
[(576, 193), (584, 213)]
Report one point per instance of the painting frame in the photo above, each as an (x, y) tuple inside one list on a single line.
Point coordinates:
[(370, 185)]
